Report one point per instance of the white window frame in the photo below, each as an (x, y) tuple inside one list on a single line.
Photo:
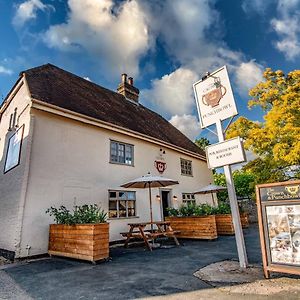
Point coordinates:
[(184, 170), (188, 198), (118, 199), (126, 147)]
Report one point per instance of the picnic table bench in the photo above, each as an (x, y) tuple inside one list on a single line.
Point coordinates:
[(157, 229)]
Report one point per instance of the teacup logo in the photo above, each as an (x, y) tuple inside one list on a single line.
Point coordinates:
[(293, 190), (214, 96)]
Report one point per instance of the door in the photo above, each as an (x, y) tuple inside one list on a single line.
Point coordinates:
[(165, 195)]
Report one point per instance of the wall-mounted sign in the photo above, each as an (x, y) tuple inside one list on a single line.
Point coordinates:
[(214, 98), (161, 166), (279, 226), (225, 153)]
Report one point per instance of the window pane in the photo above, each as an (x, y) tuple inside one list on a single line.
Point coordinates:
[(128, 156), (114, 151), (131, 195), (121, 153), (112, 194), (122, 195), (122, 209), (131, 208), (113, 205)]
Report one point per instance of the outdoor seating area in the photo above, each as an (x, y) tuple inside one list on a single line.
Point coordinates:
[(156, 230)]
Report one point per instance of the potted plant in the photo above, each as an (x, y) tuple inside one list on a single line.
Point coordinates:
[(224, 219), (82, 233), (193, 221)]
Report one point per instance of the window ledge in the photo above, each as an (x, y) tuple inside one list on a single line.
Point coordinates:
[(124, 218), (187, 175), (121, 164)]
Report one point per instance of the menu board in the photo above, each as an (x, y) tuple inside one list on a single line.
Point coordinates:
[(283, 223), (278, 207)]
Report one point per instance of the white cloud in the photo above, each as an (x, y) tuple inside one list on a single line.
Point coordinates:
[(4, 70), (259, 6), (27, 10), (288, 29), (286, 24), (116, 35), (247, 75), (173, 93), (187, 124)]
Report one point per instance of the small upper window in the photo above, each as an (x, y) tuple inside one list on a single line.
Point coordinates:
[(121, 153), (186, 167)]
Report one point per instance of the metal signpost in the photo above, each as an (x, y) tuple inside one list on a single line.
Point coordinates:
[(215, 102)]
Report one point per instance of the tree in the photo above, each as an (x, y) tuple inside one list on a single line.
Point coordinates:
[(244, 183), (202, 143), (276, 140)]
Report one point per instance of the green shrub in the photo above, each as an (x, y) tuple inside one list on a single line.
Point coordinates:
[(84, 214), (188, 210), (223, 209)]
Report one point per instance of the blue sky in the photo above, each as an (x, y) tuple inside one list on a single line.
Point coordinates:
[(165, 45)]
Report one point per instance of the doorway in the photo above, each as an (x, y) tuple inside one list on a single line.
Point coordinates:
[(165, 201)]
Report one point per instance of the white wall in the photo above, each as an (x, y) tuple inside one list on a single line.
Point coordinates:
[(13, 183), (70, 165)]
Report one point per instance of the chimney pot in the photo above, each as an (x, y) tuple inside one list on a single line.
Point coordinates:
[(127, 89), (130, 80), (124, 78)]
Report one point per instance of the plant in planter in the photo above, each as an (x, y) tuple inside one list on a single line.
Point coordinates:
[(193, 221), (224, 219), (82, 233)]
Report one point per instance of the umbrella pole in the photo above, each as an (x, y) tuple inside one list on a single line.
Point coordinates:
[(151, 215)]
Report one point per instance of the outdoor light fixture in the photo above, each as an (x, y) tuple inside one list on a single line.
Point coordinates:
[(174, 198), (158, 197)]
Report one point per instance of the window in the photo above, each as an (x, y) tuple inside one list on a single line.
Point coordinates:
[(13, 154), (121, 204), (188, 198), (186, 167), (121, 153)]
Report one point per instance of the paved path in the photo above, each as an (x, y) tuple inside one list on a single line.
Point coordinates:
[(133, 273)]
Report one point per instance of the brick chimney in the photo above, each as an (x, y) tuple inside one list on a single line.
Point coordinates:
[(127, 89)]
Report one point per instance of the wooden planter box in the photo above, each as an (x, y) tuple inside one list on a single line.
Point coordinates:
[(195, 227), (225, 224), (83, 241)]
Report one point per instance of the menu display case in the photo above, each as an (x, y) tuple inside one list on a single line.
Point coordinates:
[(278, 206)]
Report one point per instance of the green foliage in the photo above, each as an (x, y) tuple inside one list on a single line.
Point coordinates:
[(192, 210), (202, 143), (223, 208), (84, 214), (276, 140), (244, 182)]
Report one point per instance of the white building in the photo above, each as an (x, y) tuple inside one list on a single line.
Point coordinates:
[(67, 141)]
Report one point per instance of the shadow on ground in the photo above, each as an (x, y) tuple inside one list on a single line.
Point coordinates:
[(132, 273)]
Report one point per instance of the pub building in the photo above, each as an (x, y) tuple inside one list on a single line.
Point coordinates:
[(67, 141)]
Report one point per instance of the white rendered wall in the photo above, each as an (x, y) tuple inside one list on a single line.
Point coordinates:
[(70, 166), (13, 183)]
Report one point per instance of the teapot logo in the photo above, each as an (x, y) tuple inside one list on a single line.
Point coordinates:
[(293, 190), (214, 96)]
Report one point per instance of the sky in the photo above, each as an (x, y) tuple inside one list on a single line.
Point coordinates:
[(165, 45)]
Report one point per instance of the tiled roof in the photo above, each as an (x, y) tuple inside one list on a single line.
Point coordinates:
[(58, 87)]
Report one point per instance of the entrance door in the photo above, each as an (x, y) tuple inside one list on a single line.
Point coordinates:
[(165, 195)]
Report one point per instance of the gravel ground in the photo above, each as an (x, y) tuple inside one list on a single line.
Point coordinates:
[(9, 289)]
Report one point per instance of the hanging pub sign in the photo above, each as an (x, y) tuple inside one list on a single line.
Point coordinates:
[(214, 98), (278, 208)]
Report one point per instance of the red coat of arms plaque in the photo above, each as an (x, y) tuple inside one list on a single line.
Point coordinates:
[(160, 166)]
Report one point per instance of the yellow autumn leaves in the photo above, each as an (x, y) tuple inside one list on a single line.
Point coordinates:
[(278, 137)]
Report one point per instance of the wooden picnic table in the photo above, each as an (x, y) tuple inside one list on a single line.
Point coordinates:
[(157, 229)]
